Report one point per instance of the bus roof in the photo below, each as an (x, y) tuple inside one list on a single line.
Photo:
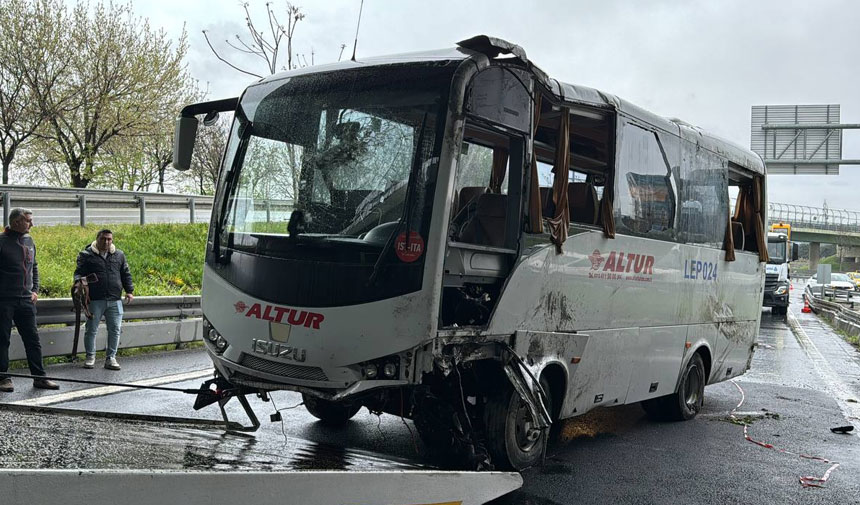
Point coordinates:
[(483, 46)]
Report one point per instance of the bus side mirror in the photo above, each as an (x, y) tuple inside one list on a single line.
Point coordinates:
[(183, 142), (794, 251)]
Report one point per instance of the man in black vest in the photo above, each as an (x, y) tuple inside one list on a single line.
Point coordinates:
[(103, 267), (19, 285)]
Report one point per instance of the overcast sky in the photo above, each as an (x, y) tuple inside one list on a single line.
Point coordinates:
[(704, 62)]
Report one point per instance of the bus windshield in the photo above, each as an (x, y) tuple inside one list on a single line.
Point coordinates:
[(337, 147)]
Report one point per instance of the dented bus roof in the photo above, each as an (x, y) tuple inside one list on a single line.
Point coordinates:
[(483, 46)]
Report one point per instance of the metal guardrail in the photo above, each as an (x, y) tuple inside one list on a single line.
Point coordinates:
[(842, 317), (823, 218), (62, 310), (148, 204), (84, 199), (148, 321)]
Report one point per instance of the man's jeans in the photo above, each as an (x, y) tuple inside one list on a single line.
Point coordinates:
[(112, 312)]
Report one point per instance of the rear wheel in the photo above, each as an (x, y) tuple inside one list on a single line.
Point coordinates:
[(329, 412), (687, 401), (513, 439)]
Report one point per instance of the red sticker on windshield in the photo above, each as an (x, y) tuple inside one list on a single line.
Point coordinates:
[(413, 251)]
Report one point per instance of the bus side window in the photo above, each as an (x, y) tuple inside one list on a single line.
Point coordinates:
[(703, 196), (480, 191), (644, 197)]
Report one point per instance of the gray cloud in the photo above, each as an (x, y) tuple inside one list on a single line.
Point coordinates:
[(704, 62)]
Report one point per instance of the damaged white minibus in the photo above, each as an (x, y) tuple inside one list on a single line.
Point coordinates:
[(456, 238)]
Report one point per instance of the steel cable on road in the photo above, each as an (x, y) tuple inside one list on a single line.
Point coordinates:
[(805, 481), (104, 383)]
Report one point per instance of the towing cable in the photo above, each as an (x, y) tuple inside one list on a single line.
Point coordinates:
[(105, 383), (205, 394)]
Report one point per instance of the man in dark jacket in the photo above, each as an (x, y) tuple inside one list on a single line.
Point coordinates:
[(103, 267), (19, 285)]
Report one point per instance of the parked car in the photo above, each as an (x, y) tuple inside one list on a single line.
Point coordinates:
[(855, 278), (839, 283)]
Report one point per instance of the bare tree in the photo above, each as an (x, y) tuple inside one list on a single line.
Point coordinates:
[(265, 44)]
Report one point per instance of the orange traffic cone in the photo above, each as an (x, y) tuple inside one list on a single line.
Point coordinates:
[(806, 309)]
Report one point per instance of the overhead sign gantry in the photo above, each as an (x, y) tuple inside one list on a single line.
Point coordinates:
[(800, 139)]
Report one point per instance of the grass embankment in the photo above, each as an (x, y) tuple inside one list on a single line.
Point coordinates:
[(165, 259)]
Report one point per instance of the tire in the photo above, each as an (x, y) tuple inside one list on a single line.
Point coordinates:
[(329, 412), (512, 443), (687, 401)]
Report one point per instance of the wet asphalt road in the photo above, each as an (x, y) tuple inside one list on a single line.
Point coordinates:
[(797, 389)]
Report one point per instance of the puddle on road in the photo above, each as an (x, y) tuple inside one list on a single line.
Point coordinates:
[(59, 441)]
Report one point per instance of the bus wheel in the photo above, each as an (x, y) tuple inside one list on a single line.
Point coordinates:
[(685, 403), (688, 400), (513, 440), (329, 412)]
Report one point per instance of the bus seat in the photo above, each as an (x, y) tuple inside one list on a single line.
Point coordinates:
[(738, 235), (487, 226), (582, 202), (546, 202), (467, 194)]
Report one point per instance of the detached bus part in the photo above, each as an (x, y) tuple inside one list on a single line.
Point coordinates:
[(456, 238)]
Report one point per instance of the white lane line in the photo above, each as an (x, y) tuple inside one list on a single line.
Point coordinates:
[(107, 390), (838, 389)]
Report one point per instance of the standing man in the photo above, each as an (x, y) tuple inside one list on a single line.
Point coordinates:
[(19, 283), (103, 267)]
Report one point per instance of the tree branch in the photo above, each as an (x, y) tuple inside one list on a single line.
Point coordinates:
[(227, 62)]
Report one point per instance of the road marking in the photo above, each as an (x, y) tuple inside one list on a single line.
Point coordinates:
[(107, 390), (838, 389)]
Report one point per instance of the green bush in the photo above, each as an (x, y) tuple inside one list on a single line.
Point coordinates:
[(165, 259), (836, 265)]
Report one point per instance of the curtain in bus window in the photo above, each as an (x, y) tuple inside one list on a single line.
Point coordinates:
[(500, 169), (644, 197), (758, 201), (703, 207), (535, 205), (559, 223), (729, 241)]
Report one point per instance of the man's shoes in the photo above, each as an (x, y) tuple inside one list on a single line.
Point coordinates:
[(111, 364), (6, 385), (45, 384), (90, 361)]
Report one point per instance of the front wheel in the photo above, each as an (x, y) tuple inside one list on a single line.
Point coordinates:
[(329, 412), (513, 439)]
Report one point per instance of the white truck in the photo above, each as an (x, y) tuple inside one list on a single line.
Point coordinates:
[(777, 282)]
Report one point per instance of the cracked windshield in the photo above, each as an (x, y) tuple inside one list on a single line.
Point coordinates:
[(343, 159)]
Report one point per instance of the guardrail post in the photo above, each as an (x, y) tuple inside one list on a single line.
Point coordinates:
[(82, 204), (7, 208), (191, 210), (268, 211), (141, 200)]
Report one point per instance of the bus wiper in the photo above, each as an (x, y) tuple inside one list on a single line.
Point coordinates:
[(406, 213)]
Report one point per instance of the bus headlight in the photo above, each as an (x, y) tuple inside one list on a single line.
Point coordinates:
[(220, 343), (370, 371), (389, 370), (214, 337)]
